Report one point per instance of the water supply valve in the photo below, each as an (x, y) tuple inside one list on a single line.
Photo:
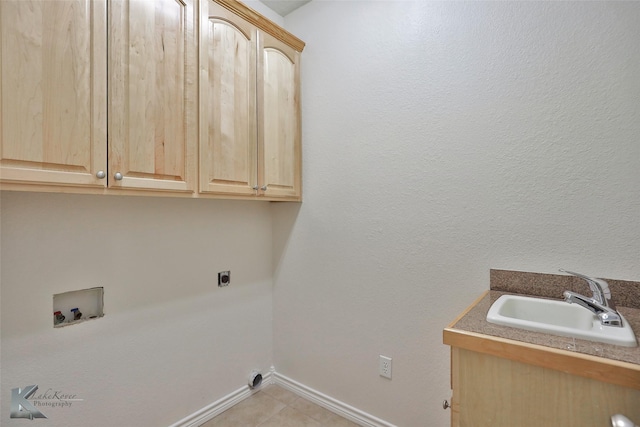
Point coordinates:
[(77, 315), (58, 317)]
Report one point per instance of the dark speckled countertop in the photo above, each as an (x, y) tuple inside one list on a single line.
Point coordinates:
[(625, 294)]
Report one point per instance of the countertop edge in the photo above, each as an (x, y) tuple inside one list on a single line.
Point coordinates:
[(606, 370), (468, 309)]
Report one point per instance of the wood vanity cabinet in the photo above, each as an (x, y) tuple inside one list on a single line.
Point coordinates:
[(55, 103), (530, 387), (249, 104)]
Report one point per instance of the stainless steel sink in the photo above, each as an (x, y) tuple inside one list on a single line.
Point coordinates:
[(557, 318)]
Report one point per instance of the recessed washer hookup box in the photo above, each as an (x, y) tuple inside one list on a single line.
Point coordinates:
[(77, 306)]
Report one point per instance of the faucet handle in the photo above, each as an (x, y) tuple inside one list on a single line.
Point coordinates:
[(599, 287)]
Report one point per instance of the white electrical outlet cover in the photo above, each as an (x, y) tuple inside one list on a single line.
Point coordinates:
[(385, 366)]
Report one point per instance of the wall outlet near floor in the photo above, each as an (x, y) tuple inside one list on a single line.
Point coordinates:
[(224, 278), (385, 366)]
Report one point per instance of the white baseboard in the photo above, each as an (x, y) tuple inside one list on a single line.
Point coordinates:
[(219, 406), (346, 411)]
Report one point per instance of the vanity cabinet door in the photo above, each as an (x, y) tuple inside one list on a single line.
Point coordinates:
[(53, 92), (490, 391), (152, 94)]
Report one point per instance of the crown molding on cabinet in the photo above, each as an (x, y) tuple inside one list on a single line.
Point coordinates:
[(262, 23)]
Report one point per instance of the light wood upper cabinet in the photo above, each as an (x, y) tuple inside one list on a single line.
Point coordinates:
[(53, 92), (55, 70), (280, 132), (193, 98), (249, 104), (152, 94), (228, 138)]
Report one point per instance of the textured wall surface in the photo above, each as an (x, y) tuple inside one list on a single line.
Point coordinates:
[(442, 139), (171, 342)]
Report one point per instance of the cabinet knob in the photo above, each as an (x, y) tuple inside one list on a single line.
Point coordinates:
[(255, 187), (263, 188), (100, 174), (118, 176), (445, 404)]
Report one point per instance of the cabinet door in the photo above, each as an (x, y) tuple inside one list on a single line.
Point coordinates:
[(152, 94), (279, 134), (490, 391), (228, 151), (53, 92)]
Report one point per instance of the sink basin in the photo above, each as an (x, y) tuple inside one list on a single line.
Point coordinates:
[(557, 318)]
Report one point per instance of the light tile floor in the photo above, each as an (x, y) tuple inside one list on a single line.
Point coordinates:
[(274, 406)]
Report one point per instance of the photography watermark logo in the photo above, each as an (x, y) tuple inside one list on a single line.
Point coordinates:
[(25, 403), (21, 407)]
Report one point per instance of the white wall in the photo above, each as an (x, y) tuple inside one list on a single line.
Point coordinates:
[(171, 341), (442, 139)]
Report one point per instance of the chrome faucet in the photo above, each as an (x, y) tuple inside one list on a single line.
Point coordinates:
[(619, 420), (600, 304)]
